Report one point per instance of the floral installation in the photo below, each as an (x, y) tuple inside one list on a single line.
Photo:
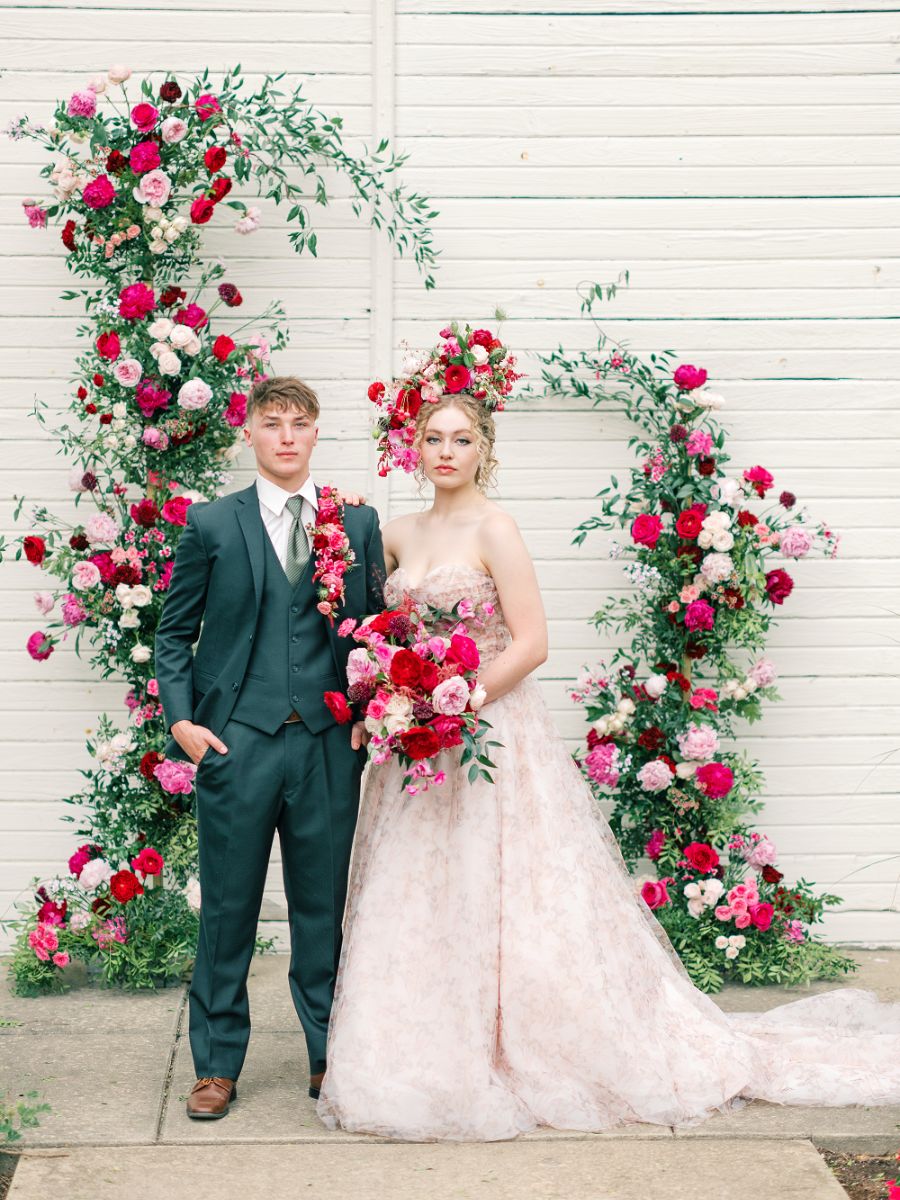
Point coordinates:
[(708, 550), (465, 360), (159, 397), (334, 557), (418, 689)]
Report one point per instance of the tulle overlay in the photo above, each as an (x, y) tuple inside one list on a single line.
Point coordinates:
[(499, 972)]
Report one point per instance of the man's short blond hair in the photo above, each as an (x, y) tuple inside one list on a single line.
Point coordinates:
[(283, 392)]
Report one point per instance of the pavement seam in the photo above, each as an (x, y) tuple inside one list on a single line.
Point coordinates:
[(170, 1067)]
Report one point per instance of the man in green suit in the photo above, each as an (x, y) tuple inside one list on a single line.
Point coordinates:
[(247, 707)]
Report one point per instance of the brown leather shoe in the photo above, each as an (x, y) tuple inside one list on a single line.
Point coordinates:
[(210, 1098), (315, 1082)]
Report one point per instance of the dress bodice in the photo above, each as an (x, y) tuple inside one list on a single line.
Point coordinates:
[(447, 584)]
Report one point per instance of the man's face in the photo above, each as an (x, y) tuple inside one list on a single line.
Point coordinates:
[(283, 444)]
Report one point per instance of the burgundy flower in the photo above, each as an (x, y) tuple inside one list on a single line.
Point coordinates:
[(678, 433), (68, 235), (779, 585), (771, 875), (116, 162), (787, 499), (172, 296), (78, 541), (149, 762), (145, 513), (706, 466), (747, 519), (229, 293), (170, 91)]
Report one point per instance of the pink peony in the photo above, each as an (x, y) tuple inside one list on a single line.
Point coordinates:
[(136, 301), (360, 668), (35, 214), (655, 893), (796, 542), (714, 779), (194, 395), (101, 529), (655, 844), (645, 529), (236, 412), (763, 673), (699, 442), (655, 775), (761, 853), (73, 611), (154, 188), (704, 698), (43, 602), (174, 777), (155, 438), (85, 575), (39, 646), (99, 193), (602, 765), (698, 742), (144, 157), (450, 697), (688, 377), (82, 104), (128, 372), (699, 615)]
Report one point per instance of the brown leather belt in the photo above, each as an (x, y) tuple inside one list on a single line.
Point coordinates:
[(293, 719)]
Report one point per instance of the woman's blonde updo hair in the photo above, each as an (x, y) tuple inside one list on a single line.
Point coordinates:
[(482, 423)]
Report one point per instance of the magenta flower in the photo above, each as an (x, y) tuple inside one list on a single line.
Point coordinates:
[(699, 615), (714, 779), (176, 778), (602, 765), (82, 104), (99, 193), (39, 646), (655, 844), (655, 893), (645, 529), (144, 117), (144, 157), (688, 377), (136, 301)]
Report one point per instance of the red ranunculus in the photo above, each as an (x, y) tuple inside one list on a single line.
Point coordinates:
[(109, 346), (337, 705), (116, 162), (215, 158), (448, 731), (689, 523), (125, 885), (651, 738), (201, 210), (779, 585), (222, 347), (457, 378), (175, 510), (35, 549), (420, 742), (431, 676), (645, 529), (406, 669), (747, 518), (463, 650), (701, 856), (148, 862), (145, 513)]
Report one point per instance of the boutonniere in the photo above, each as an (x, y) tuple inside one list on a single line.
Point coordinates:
[(334, 557)]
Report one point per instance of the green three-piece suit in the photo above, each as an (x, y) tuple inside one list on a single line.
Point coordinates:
[(264, 652)]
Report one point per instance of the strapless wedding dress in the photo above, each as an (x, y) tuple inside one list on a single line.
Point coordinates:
[(499, 972)]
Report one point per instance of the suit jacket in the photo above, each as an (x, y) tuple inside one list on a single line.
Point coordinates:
[(215, 593)]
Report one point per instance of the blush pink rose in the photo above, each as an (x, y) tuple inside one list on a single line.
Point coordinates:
[(194, 395), (450, 697), (85, 575), (655, 776), (128, 372), (173, 130), (154, 189)]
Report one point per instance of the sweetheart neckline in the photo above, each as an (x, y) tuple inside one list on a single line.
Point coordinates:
[(441, 567)]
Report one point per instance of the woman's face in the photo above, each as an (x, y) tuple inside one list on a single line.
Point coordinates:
[(449, 449)]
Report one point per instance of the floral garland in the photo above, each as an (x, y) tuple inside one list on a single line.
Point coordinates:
[(705, 591), (159, 396), (466, 360), (334, 557)]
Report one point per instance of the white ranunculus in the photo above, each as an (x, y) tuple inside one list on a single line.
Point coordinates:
[(158, 246), (602, 726), (193, 346), (626, 706), (479, 354), (707, 399), (180, 223), (120, 410), (129, 441), (141, 654), (151, 215), (729, 491), (170, 235), (723, 540), (158, 349)]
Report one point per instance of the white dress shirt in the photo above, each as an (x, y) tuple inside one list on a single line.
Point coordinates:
[(277, 517)]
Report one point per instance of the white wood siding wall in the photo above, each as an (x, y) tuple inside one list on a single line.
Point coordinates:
[(740, 159)]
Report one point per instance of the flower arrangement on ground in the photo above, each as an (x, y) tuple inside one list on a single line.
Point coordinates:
[(707, 551), (158, 400)]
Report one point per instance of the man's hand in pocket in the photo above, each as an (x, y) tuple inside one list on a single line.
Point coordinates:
[(195, 740)]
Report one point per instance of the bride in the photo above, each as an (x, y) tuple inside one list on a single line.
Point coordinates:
[(498, 971)]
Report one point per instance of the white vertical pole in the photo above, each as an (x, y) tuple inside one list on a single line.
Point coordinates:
[(381, 321)]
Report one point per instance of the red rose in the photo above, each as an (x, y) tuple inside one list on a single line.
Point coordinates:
[(145, 513), (109, 346), (68, 235), (35, 549), (761, 915), (175, 510), (689, 524), (779, 585), (482, 337), (688, 377), (406, 669), (701, 856), (448, 731), (456, 378), (222, 347), (679, 680), (149, 762), (144, 116), (148, 862), (410, 401), (431, 676), (220, 188), (337, 705), (645, 529), (215, 158), (201, 210), (420, 742), (463, 650), (125, 885)]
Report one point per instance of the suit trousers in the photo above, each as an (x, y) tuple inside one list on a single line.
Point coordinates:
[(306, 786)]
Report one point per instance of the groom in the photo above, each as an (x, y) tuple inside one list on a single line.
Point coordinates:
[(247, 707)]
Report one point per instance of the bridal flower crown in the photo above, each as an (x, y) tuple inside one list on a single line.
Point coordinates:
[(464, 360)]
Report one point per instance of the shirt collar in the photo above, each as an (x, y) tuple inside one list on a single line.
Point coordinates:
[(275, 497)]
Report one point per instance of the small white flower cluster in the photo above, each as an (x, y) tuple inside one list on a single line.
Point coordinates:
[(615, 722), (111, 436), (616, 549), (702, 895), (163, 230), (643, 576), (731, 945)]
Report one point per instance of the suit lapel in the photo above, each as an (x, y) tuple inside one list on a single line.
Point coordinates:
[(250, 521)]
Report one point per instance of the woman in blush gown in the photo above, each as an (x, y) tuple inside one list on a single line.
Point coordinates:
[(499, 972)]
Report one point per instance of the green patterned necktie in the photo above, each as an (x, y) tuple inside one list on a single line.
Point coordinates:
[(298, 546)]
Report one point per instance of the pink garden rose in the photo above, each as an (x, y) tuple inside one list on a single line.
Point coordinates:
[(82, 104), (796, 542), (61, 958), (645, 529), (128, 372), (155, 438), (154, 189), (236, 412), (99, 193), (43, 940), (655, 893), (175, 510), (760, 478), (35, 214), (655, 775), (698, 742), (761, 915), (715, 779), (174, 777), (699, 615), (85, 575), (688, 377), (450, 697), (73, 611), (101, 529), (194, 395), (173, 130), (763, 673)]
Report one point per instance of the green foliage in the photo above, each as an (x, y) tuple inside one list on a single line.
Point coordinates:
[(16, 1115)]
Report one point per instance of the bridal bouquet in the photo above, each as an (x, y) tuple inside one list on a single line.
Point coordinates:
[(419, 690)]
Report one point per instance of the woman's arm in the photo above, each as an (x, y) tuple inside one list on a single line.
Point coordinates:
[(505, 555)]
